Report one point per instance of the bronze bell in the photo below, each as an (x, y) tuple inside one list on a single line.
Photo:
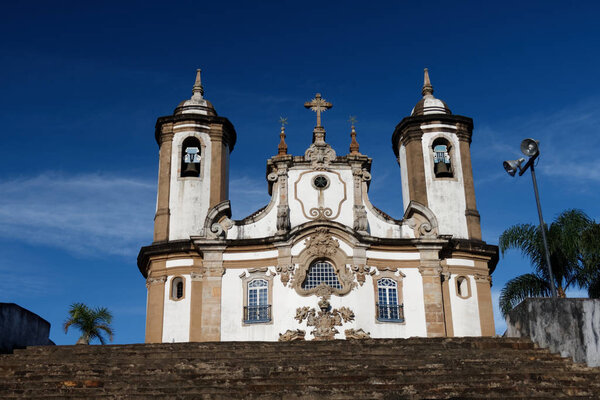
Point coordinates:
[(191, 169), (442, 170)]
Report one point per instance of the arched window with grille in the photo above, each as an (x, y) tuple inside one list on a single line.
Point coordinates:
[(258, 308), (388, 306), (442, 160), (321, 272)]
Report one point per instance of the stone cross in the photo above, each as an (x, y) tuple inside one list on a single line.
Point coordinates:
[(318, 104)]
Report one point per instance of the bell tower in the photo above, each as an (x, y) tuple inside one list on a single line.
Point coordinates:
[(433, 150), (193, 173)]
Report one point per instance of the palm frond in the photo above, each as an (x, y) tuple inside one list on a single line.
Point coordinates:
[(521, 287)]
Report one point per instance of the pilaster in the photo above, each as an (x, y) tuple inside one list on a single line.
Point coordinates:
[(211, 294), (196, 307), (430, 270), (155, 308), (417, 187), (447, 305), (471, 213), (484, 301), (161, 218)]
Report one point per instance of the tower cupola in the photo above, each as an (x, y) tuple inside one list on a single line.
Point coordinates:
[(429, 104), (197, 104)]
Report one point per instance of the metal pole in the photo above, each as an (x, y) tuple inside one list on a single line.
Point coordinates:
[(543, 228)]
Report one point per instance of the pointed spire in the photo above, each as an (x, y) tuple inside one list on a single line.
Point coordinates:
[(353, 143), (282, 148), (427, 88), (198, 90)]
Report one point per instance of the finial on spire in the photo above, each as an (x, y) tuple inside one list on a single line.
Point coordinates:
[(282, 148), (427, 88), (353, 143), (198, 89)]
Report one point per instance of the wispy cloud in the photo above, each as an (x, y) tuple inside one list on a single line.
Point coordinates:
[(83, 214), (247, 195)]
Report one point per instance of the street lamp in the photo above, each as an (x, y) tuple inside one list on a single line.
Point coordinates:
[(530, 148)]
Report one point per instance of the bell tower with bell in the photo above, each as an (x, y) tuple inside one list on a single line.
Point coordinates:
[(433, 150), (193, 173)]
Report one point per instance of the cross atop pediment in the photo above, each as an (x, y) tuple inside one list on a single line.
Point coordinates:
[(318, 105)]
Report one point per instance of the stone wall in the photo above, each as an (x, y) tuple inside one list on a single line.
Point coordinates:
[(20, 327), (570, 327)]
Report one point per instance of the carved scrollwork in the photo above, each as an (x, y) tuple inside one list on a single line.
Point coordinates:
[(286, 272), (320, 212), (292, 335), (272, 177), (361, 271), (322, 246), (357, 334), (320, 155)]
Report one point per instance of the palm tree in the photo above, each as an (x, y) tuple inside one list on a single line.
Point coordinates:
[(574, 247), (91, 322)]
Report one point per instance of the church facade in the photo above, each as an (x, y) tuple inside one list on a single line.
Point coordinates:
[(319, 261)]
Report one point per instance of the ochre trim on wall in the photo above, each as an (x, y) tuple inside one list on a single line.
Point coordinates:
[(155, 309), (376, 262), (262, 262)]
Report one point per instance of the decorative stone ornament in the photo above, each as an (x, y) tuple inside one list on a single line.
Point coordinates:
[(322, 246), (357, 334), (286, 272), (325, 320), (292, 335), (283, 218)]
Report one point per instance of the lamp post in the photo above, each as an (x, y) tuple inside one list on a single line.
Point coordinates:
[(530, 148)]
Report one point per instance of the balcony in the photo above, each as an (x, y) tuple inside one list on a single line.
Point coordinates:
[(257, 314), (390, 312)]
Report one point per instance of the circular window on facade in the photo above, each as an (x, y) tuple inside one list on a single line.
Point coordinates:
[(321, 182)]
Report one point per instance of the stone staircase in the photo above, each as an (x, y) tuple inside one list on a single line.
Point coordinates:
[(415, 368)]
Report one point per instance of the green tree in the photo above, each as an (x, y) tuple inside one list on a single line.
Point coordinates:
[(574, 244), (92, 322)]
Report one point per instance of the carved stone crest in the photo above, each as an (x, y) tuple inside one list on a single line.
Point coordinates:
[(320, 155), (322, 244), (325, 320)]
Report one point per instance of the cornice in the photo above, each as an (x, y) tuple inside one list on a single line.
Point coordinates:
[(229, 133), (465, 125)]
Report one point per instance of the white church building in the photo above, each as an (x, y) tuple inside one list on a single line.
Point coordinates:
[(319, 261)]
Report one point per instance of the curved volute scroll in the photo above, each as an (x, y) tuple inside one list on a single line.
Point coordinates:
[(218, 221), (421, 219)]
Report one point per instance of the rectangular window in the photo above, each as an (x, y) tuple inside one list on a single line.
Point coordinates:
[(388, 308), (258, 309)]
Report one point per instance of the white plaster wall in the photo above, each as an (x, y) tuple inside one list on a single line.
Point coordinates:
[(176, 318), (286, 300), (264, 227), (404, 177), (465, 312), (381, 228), (331, 196), (446, 197), (189, 197)]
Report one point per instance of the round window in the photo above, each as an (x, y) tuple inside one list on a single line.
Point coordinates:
[(321, 182)]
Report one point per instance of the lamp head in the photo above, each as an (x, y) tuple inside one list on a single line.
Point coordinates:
[(512, 166), (530, 147)]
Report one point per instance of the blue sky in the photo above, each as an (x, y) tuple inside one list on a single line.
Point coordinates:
[(82, 85)]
